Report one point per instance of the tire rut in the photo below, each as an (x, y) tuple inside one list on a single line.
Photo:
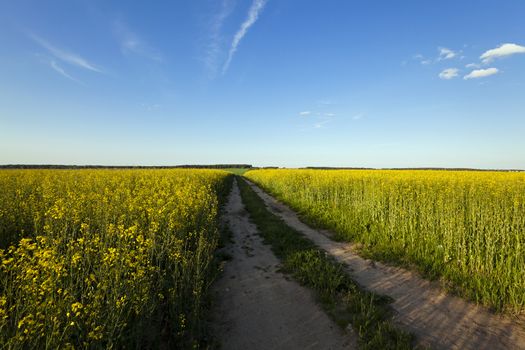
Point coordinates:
[(257, 306)]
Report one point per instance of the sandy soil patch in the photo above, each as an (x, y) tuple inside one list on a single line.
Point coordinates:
[(260, 308)]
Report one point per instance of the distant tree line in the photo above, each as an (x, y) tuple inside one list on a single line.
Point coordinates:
[(428, 168), (336, 168), (220, 166), (57, 166)]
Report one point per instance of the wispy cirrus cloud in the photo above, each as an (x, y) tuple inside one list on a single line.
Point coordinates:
[(472, 65), (151, 106), (62, 72), (422, 59), (318, 114), (320, 120), (66, 56), (322, 123), (325, 102), (481, 73), (216, 40), (253, 15), (131, 43), (501, 51)]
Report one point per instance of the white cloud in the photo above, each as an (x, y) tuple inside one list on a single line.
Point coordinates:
[(321, 124), (481, 73), (130, 43), (329, 114), (215, 41), (61, 71), (449, 73), (305, 113), (150, 107), (445, 53), (502, 51), (253, 15), (65, 56), (419, 57), (472, 65)]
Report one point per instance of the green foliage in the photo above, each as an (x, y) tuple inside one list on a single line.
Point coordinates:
[(236, 171), (466, 227), (346, 303), (107, 258)]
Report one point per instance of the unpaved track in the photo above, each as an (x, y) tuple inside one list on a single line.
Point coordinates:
[(438, 320), (258, 308)]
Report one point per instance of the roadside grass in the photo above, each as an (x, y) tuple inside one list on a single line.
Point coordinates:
[(236, 171), (208, 339), (220, 257), (369, 314)]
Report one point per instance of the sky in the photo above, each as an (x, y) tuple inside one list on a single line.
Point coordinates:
[(353, 83)]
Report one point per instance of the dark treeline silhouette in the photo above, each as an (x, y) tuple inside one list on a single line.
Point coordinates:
[(446, 169), (336, 168), (222, 166), (53, 166)]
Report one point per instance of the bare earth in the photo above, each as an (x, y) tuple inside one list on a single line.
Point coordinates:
[(258, 308), (438, 320)]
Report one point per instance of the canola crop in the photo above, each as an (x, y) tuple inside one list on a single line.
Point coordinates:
[(465, 227), (106, 258)]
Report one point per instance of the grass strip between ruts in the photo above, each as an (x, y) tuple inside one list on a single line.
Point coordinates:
[(369, 314)]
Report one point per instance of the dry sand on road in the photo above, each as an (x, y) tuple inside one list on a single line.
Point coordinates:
[(258, 307)]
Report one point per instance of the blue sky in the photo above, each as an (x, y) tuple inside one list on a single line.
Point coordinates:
[(277, 82)]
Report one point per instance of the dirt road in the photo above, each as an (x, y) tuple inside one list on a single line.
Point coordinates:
[(260, 308), (438, 320)]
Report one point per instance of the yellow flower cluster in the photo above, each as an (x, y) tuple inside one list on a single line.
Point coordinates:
[(104, 258), (467, 226)]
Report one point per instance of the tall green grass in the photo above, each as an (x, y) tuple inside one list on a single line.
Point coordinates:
[(466, 227)]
